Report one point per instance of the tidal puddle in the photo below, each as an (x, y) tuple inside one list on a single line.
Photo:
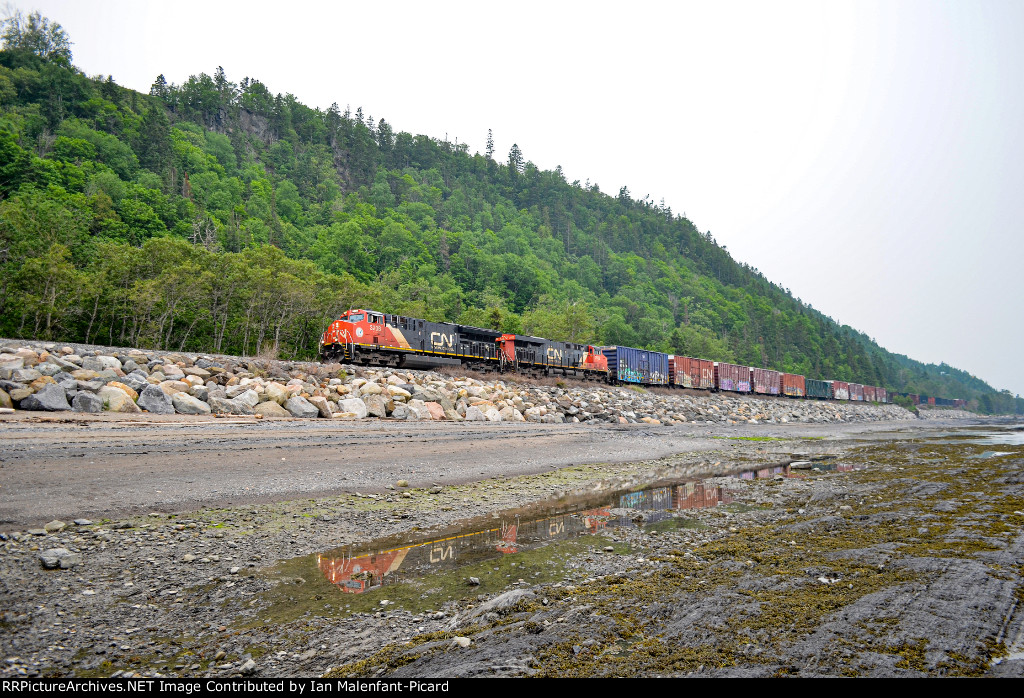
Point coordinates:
[(537, 544), (656, 508)]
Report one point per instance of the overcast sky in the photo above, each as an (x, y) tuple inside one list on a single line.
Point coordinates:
[(868, 156)]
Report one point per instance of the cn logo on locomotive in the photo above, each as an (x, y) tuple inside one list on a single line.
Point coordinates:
[(442, 340)]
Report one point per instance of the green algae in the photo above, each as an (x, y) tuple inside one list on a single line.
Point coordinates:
[(290, 599)]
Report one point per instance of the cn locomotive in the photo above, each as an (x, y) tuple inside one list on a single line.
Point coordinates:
[(372, 338)]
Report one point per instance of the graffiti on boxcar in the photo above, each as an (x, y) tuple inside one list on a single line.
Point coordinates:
[(630, 375), (659, 498)]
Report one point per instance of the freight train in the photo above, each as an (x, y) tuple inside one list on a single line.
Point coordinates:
[(373, 338)]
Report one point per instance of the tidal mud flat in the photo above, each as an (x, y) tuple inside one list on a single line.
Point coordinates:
[(846, 551)]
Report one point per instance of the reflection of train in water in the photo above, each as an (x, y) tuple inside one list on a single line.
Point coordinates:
[(359, 573)]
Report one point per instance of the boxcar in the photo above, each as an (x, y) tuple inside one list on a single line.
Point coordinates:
[(732, 377), (766, 381), (869, 393), (882, 395), (821, 390), (687, 372), (629, 365), (840, 390), (856, 392), (794, 385)]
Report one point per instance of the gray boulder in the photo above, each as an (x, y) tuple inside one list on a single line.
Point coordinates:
[(25, 375), (87, 402), (301, 407), (136, 380), (48, 369), (59, 558), (100, 363), (153, 399), (61, 363), (249, 398), (403, 412), (66, 381), (51, 398), (221, 405), (186, 404)]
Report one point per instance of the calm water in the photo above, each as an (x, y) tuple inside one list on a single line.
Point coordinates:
[(355, 570)]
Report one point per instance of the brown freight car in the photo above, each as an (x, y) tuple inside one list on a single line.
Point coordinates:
[(687, 372), (793, 385), (766, 381), (732, 377)]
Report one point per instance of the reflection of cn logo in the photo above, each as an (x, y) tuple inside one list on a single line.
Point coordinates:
[(442, 552)]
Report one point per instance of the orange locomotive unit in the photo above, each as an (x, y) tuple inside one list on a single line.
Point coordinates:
[(373, 338)]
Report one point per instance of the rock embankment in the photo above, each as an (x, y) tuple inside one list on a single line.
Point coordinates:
[(943, 413), (52, 378)]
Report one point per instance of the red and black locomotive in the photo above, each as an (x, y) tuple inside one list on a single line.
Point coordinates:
[(373, 338)]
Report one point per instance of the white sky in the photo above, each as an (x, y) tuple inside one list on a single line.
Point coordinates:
[(868, 156)]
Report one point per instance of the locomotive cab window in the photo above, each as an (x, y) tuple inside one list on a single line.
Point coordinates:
[(376, 319), (358, 317)]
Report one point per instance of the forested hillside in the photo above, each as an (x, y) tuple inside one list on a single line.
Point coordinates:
[(223, 216)]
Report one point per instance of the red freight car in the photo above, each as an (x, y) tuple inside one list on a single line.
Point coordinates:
[(869, 393), (766, 381), (793, 385), (840, 390), (732, 377), (688, 372), (882, 394), (856, 392)]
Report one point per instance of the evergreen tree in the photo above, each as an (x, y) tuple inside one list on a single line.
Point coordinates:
[(159, 87), (155, 148), (515, 160)]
